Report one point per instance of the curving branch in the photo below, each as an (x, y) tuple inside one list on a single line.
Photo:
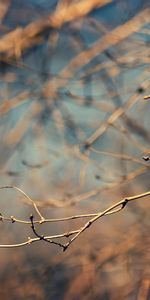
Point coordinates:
[(118, 206)]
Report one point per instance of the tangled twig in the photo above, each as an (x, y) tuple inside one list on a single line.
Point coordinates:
[(75, 233)]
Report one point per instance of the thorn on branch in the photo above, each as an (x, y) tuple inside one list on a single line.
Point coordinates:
[(146, 158), (12, 219), (65, 247), (124, 203), (29, 240), (67, 234), (89, 224)]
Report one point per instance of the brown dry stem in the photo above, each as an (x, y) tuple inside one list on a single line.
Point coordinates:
[(75, 233)]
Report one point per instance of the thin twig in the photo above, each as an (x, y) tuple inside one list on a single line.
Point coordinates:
[(147, 97), (26, 196), (121, 203), (76, 233)]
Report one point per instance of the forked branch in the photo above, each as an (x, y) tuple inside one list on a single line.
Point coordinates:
[(75, 233)]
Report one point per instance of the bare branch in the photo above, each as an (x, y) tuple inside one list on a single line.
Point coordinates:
[(147, 97), (76, 233), (24, 194)]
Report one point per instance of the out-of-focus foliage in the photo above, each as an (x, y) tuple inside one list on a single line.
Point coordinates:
[(73, 129)]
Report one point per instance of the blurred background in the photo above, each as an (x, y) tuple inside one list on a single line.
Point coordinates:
[(74, 128)]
